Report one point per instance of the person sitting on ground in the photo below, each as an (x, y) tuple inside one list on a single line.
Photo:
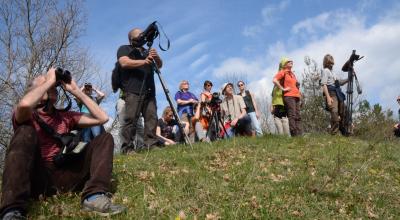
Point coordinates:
[(234, 114), (334, 96), (185, 100), (397, 126), (279, 112), (91, 132), (30, 167), (251, 107), (168, 130), (206, 95)]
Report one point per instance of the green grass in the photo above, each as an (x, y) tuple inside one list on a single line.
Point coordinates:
[(312, 177)]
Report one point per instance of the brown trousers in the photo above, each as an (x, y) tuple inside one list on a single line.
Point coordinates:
[(338, 113), (293, 111), (148, 109), (26, 176)]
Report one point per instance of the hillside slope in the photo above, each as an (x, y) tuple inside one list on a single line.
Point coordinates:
[(312, 177)]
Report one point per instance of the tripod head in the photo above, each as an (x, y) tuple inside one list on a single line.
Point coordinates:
[(350, 62)]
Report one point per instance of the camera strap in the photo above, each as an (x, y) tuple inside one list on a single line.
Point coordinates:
[(159, 38), (69, 141)]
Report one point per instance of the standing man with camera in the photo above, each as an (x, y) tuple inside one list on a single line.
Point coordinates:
[(334, 96), (31, 169), (137, 81)]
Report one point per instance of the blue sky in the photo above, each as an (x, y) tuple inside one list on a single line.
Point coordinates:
[(211, 39)]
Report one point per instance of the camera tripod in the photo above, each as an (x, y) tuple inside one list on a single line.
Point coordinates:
[(349, 67), (214, 130), (148, 35)]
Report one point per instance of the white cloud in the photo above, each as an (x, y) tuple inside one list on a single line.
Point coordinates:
[(199, 61), (328, 22), (269, 15), (237, 66), (377, 72), (188, 54)]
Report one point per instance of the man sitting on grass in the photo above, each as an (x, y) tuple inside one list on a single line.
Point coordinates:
[(31, 169), (234, 113)]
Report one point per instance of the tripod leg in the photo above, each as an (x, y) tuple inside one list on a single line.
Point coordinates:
[(166, 91)]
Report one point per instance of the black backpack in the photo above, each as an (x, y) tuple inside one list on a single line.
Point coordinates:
[(116, 77)]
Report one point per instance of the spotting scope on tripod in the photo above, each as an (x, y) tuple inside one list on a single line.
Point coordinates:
[(349, 67)]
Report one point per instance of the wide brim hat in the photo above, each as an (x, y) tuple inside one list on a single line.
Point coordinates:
[(223, 87)]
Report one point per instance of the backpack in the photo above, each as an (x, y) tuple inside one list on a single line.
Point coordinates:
[(116, 77)]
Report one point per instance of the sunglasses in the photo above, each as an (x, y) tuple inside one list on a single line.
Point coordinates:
[(240, 85), (208, 85)]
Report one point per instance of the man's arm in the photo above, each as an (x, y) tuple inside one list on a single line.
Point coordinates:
[(100, 95), (277, 79), (128, 63), (97, 115), (158, 133), (29, 102), (329, 99)]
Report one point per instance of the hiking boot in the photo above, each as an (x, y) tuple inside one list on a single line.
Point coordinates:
[(13, 215), (102, 205)]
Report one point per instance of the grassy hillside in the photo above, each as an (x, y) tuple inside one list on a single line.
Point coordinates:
[(313, 177)]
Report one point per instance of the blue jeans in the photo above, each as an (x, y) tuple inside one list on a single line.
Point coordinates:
[(255, 123), (92, 132)]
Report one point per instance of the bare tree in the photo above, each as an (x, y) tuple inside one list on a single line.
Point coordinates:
[(35, 35), (313, 114)]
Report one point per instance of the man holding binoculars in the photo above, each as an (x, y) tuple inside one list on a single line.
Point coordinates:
[(30, 169)]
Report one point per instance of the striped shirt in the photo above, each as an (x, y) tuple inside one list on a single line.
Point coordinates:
[(61, 122)]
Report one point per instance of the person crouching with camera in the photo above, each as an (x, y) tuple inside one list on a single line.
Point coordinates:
[(30, 169), (234, 114), (334, 95)]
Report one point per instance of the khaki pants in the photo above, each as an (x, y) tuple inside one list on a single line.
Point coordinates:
[(338, 113), (282, 125)]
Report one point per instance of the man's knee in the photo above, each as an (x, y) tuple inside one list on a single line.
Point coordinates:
[(24, 137)]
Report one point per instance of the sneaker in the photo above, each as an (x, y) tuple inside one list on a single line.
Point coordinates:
[(102, 205), (13, 215)]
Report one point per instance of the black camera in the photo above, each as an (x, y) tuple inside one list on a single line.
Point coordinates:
[(349, 64), (147, 36), (63, 75), (88, 86), (215, 99)]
